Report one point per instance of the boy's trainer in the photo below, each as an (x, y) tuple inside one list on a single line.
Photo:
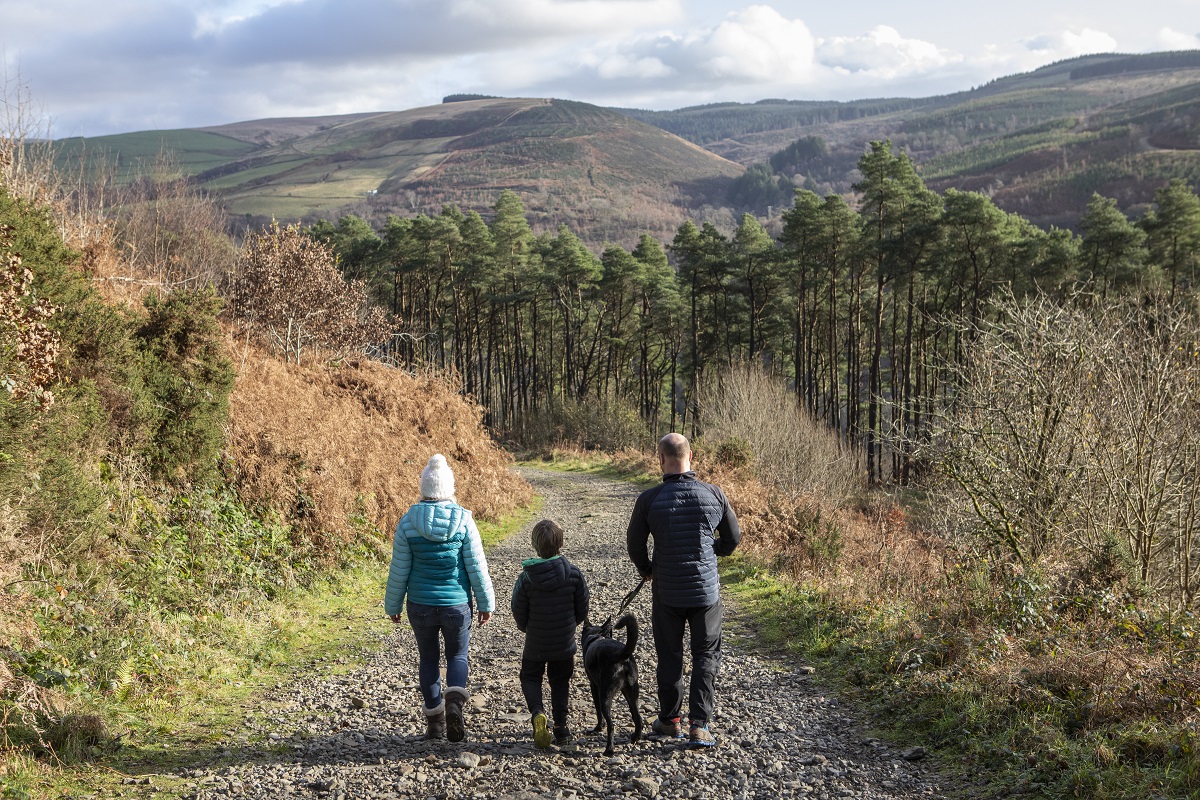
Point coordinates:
[(541, 730)]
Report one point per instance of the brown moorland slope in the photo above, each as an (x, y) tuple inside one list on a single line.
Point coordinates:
[(607, 176), (326, 447), (274, 130)]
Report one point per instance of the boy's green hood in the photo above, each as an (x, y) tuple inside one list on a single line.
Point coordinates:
[(529, 562), (547, 573)]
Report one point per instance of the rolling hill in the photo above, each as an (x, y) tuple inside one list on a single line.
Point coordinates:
[(1039, 143), (607, 175)]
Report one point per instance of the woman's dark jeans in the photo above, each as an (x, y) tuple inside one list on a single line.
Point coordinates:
[(432, 626)]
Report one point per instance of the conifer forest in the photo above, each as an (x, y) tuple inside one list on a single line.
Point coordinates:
[(864, 305)]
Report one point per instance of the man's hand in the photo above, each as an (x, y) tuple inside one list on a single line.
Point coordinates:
[(484, 618), (395, 618)]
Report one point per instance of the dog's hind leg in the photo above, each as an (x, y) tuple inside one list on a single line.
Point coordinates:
[(599, 709), (630, 690), (607, 694), (608, 751)]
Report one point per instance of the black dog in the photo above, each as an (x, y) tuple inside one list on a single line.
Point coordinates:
[(610, 668)]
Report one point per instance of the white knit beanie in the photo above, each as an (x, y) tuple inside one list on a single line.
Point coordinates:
[(437, 479)]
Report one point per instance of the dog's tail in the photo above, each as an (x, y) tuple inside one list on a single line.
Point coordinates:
[(629, 622)]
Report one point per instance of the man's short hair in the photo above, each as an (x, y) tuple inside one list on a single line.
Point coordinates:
[(674, 445), (547, 538)]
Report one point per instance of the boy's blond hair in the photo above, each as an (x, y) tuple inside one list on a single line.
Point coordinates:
[(547, 538)]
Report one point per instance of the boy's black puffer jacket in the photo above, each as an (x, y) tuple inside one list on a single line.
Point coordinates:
[(549, 601)]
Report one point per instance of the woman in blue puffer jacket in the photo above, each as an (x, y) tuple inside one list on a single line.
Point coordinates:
[(438, 562)]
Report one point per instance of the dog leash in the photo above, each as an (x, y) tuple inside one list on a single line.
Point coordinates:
[(625, 601)]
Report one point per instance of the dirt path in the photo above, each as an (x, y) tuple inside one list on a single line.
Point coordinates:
[(359, 735)]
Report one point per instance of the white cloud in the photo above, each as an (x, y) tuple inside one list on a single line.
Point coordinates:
[(750, 47), (1175, 40), (403, 31), (136, 64), (214, 15), (1069, 44), (618, 66), (883, 53), (563, 16), (758, 44), (1089, 41)]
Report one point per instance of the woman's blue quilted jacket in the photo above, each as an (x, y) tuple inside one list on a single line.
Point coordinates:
[(437, 559)]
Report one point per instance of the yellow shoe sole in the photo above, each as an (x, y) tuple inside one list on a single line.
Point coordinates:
[(541, 731)]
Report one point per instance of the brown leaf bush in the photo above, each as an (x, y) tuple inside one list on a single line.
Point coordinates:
[(287, 290), (329, 447), (28, 346)]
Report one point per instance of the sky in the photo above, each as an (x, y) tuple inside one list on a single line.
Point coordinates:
[(84, 68)]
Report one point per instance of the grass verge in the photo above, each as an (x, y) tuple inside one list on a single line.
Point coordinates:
[(1011, 714), (327, 628), (628, 465)]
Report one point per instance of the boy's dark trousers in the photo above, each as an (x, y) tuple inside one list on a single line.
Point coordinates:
[(559, 677)]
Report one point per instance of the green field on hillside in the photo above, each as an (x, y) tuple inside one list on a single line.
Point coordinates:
[(194, 151)]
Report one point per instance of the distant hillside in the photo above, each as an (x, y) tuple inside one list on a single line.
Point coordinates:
[(1040, 143), (717, 122), (282, 129), (610, 177)]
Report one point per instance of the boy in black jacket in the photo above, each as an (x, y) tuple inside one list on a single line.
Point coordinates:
[(550, 599)]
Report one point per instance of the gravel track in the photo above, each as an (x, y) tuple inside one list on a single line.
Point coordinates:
[(359, 735)]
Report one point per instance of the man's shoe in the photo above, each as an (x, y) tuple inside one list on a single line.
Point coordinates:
[(562, 735), (700, 736), (541, 733), (669, 728)]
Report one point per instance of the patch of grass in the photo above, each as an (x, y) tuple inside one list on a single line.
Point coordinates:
[(19, 774), (493, 532), (632, 466), (196, 150), (325, 628), (258, 174), (787, 617)]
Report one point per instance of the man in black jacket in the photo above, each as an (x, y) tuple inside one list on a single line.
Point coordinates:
[(692, 523)]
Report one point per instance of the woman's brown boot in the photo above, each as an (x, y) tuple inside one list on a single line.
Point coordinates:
[(435, 721), (456, 698)]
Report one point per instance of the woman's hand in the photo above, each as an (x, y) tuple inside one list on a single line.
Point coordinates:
[(484, 618), (395, 618)]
